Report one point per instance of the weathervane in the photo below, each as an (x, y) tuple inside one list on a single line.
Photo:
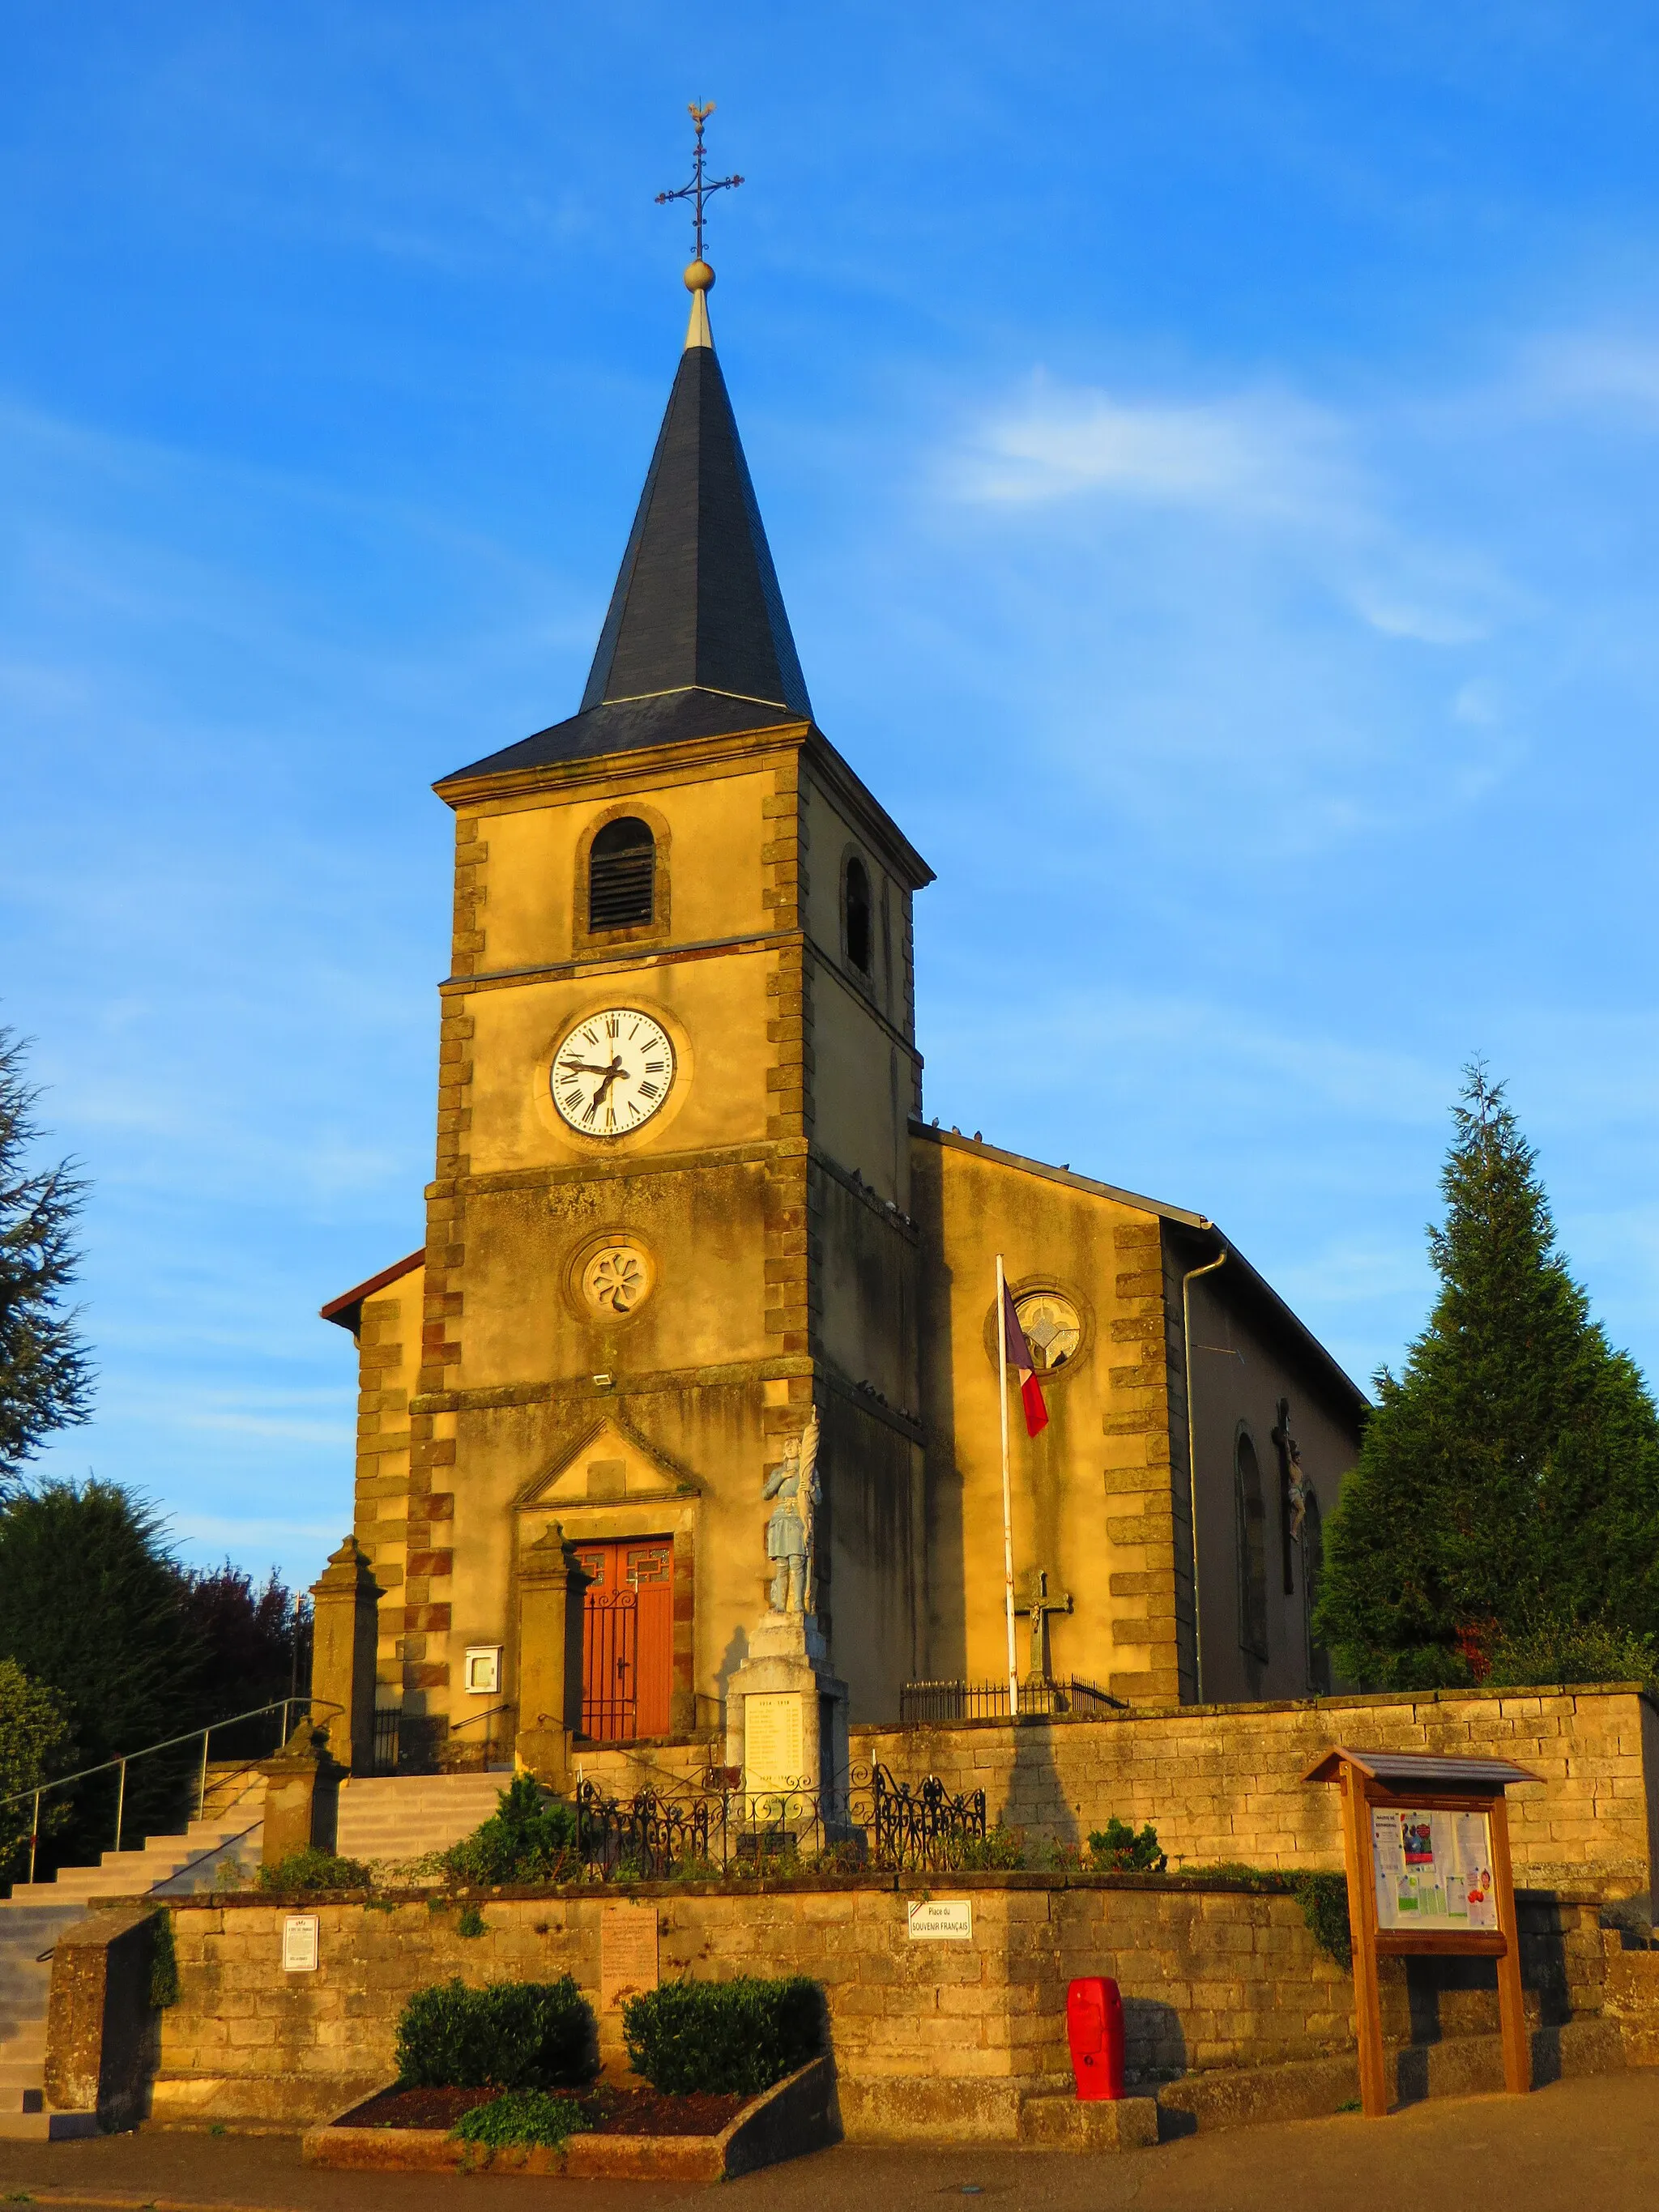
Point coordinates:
[(699, 190)]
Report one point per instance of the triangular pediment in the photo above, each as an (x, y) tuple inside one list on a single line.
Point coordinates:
[(610, 1464)]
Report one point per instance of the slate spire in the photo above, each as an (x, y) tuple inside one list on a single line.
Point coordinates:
[(696, 643), (697, 603)]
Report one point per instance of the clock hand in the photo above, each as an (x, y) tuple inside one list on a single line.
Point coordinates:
[(611, 1075), (585, 1067)]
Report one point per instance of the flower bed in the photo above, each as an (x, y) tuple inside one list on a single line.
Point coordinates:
[(629, 2134)]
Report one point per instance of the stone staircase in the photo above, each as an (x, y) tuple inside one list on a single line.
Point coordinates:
[(398, 1817), (391, 1818), (36, 1913)]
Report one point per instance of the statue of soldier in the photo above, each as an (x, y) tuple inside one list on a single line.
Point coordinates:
[(789, 1531)]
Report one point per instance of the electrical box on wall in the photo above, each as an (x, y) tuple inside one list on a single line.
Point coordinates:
[(483, 1667)]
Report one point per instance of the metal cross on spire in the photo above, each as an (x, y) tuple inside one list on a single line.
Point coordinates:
[(700, 190)]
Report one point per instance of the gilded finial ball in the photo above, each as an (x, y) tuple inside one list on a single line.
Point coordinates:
[(699, 276)]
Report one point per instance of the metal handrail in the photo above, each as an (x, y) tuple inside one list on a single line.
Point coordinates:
[(166, 1743), (455, 1727)]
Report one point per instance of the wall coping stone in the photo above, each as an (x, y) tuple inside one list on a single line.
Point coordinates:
[(1270, 1882), (1338, 1701)]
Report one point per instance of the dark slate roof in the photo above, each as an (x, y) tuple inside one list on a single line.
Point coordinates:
[(629, 725), (697, 642)]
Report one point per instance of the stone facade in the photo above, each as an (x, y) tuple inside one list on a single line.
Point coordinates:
[(1225, 1783), (939, 2040)]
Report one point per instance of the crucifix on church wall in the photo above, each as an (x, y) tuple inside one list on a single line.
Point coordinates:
[(1038, 1606), (1293, 1492)]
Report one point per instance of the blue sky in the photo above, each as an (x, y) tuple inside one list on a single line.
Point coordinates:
[(1212, 456)]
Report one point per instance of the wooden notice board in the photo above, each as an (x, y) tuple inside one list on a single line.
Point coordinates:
[(1426, 1839)]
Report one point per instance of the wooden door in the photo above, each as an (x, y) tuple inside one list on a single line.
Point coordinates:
[(628, 1638)]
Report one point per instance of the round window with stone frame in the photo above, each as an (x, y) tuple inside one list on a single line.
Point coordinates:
[(1053, 1327), (613, 1278)]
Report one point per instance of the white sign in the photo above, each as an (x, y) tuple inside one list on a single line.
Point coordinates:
[(1433, 1871), (300, 1943), (942, 1920)]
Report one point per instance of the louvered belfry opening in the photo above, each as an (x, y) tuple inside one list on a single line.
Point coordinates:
[(858, 916), (621, 876)]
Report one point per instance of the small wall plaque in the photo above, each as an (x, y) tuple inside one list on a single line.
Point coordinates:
[(483, 1668), (627, 1953), (300, 1943), (942, 1920)]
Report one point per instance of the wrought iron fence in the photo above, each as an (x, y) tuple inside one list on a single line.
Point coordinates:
[(934, 1704), (871, 1820)]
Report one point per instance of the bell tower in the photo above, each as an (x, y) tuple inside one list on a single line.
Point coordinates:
[(670, 1218)]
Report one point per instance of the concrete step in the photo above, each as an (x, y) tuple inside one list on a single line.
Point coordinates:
[(397, 1816), (47, 2127)]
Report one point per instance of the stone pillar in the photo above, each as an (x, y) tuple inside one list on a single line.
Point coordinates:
[(101, 2040), (345, 1633), (303, 1789), (786, 1723), (550, 1586)]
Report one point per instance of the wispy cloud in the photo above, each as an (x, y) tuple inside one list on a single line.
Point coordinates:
[(1258, 454)]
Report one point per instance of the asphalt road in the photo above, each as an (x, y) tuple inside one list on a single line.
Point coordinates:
[(1582, 2146)]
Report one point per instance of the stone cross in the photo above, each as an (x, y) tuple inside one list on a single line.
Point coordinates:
[(1039, 1605)]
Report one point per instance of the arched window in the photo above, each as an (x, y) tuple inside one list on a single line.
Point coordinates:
[(1313, 1565), (857, 914), (621, 876), (1252, 1550)]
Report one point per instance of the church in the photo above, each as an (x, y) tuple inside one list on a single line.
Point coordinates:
[(686, 1197)]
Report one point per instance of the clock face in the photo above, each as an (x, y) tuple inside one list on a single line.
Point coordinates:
[(612, 1072)]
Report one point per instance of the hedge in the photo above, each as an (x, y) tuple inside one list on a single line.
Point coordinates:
[(738, 2036), (512, 2035)]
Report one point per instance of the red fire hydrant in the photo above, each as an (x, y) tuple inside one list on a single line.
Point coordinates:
[(1094, 2028)]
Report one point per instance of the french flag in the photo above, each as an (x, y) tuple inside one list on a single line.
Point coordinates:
[(1019, 1356)]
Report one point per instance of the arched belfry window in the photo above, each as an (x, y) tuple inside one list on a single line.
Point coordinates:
[(1252, 1550), (621, 876), (857, 914)]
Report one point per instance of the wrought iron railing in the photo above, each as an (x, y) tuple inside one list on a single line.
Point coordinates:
[(871, 1820), (936, 1705), (415, 1742), (288, 1708)]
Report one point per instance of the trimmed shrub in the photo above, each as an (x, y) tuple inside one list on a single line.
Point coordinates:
[(526, 1839), (522, 2116), (303, 1872), (1116, 1849), (512, 2035), (729, 2037)]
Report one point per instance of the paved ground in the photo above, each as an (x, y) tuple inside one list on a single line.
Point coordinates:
[(1586, 2145)]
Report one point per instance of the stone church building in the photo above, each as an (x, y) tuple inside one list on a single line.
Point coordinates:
[(684, 1193)]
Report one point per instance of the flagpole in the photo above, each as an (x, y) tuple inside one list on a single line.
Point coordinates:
[(1007, 1498)]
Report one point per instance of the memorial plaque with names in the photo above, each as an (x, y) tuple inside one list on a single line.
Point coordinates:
[(773, 1747), (300, 1948), (627, 1953)]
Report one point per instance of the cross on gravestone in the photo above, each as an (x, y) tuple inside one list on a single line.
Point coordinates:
[(1039, 1605)]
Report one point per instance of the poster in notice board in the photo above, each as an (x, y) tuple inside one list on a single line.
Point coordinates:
[(1433, 1871)]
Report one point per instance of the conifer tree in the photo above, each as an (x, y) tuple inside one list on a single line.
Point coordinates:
[(1510, 1474), (45, 1380)]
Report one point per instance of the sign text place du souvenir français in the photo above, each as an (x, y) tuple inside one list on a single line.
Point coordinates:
[(942, 1920)]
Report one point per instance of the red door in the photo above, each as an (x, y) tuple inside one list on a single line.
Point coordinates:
[(627, 1640)]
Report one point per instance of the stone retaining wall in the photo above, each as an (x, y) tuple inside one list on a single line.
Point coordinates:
[(1223, 1783), (931, 2039)]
